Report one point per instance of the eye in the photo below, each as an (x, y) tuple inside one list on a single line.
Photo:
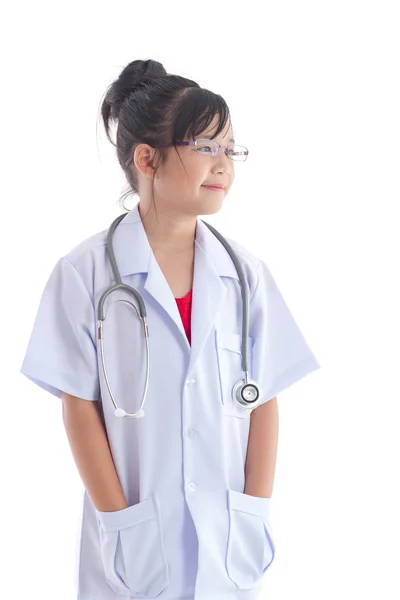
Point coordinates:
[(205, 147)]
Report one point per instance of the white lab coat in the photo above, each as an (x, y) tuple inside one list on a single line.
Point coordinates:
[(189, 531)]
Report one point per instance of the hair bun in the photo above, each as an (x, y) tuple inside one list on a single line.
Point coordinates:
[(135, 75)]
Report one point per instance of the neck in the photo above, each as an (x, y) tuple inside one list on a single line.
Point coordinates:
[(168, 230)]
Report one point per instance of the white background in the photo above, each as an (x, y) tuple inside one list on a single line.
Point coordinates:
[(313, 89)]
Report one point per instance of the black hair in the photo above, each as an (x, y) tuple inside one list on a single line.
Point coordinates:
[(153, 107)]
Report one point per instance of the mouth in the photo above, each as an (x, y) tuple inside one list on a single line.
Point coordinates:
[(218, 188)]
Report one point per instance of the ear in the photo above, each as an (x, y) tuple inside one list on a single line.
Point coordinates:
[(143, 159)]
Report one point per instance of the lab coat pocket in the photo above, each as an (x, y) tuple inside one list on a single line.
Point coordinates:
[(250, 549), (229, 354), (132, 550)]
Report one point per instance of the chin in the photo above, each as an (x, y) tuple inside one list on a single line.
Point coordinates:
[(210, 208)]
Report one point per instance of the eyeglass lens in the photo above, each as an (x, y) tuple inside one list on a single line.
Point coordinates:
[(210, 147)]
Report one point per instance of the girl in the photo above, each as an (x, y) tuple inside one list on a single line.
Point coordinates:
[(176, 504)]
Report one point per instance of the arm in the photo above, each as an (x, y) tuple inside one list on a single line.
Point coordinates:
[(262, 449), (91, 452)]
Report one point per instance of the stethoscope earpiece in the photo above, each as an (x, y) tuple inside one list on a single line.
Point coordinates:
[(119, 412)]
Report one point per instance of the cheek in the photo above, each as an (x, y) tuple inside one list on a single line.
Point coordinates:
[(191, 171), (194, 164)]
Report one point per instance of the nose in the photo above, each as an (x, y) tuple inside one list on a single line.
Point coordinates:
[(222, 163)]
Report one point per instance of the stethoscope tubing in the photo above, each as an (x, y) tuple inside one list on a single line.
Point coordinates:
[(142, 314)]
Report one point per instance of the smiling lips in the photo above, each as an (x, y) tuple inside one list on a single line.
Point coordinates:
[(214, 187)]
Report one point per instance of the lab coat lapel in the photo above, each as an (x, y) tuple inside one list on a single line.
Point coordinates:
[(134, 255), (208, 295), (157, 286)]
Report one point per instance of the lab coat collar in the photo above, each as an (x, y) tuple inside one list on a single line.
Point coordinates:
[(134, 254)]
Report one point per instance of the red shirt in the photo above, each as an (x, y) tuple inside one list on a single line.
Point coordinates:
[(185, 310)]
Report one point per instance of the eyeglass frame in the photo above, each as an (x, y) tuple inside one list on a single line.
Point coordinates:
[(194, 143)]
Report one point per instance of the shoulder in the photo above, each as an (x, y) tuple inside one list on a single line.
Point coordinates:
[(254, 267), (87, 247), (88, 259)]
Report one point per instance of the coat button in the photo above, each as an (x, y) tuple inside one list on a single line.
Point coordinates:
[(190, 381), (192, 486), (192, 432)]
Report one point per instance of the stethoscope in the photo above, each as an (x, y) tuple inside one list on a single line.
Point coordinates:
[(246, 392)]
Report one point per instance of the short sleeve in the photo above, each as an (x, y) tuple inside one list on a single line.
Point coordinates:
[(281, 355), (61, 354)]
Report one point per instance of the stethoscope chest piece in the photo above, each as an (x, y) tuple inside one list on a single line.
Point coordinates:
[(247, 394)]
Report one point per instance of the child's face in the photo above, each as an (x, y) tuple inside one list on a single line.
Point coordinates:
[(180, 188)]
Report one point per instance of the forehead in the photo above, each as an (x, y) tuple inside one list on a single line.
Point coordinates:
[(226, 134)]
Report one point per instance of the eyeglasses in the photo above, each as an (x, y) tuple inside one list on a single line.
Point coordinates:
[(207, 147)]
